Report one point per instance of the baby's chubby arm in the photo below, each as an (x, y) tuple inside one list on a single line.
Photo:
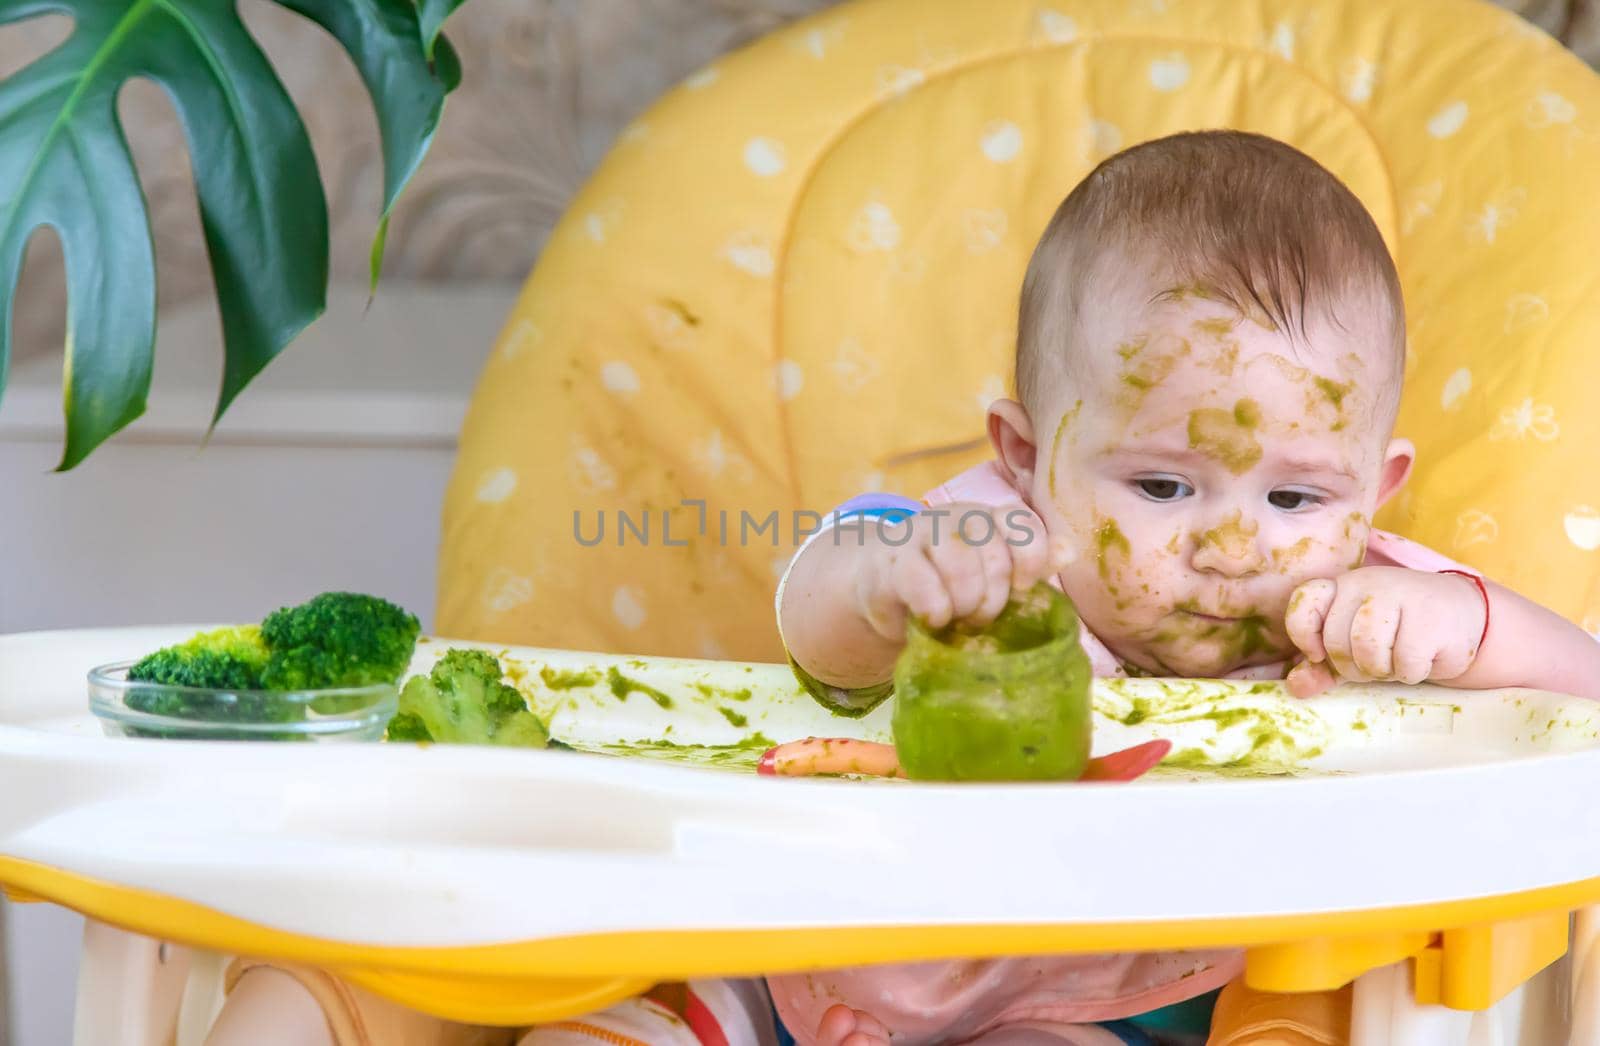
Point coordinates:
[(1392, 623), (848, 594)]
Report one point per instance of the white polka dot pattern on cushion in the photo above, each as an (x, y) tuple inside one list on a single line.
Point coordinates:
[(1582, 525), (524, 335), (1359, 79), (1549, 109), (894, 80), (592, 472), (1525, 310), (1001, 141), (1281, 41), (788, 379), (749, 252), (1475, 527), (815, 43), (1169, 72), (853, 366), (699, 81), (1491, 219), (1421, 202), (1447, 121), (718, 459), (497, 485), (765, 157), (627, 606), (601, 222), (1527, 419), (671, 327), (506, 591), (1056, 27), (874, 228), (619, 376), (983, 229), (1099, 139), (994, 388)]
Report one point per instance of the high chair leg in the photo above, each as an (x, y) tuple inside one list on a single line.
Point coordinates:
[(128, 989), (1585, 970), (1385, 1013), (202, 997)]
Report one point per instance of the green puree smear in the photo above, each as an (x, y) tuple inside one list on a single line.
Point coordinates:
[(1107, 537), (1009, 702), (621, 686), (557, 679), (1260, 732), (723, 693), (1055, 444), (1228, 436), (1334, 391), (742, 756)]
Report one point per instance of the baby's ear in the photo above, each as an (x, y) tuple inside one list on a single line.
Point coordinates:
[(1397, 461), (1011, 434)]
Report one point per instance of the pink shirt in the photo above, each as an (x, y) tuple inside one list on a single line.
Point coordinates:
[(960, 999)]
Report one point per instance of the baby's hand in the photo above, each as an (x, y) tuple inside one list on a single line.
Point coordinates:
[(960, 562), (842, 1026), (1384, 623)]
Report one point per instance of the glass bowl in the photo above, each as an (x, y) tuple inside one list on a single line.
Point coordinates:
[(128, 708), (1009, 702)]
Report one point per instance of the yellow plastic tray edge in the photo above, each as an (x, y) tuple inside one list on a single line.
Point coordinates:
[(670, 954)]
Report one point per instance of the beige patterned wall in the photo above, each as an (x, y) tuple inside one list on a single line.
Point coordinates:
[(548, 84)]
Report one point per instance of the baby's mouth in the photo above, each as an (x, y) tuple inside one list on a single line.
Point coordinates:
[(1215, 618), (1193, 610)]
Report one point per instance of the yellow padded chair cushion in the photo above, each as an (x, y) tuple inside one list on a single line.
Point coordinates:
[(795, 278)]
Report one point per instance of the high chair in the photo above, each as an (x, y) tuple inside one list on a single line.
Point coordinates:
[(794, 279)]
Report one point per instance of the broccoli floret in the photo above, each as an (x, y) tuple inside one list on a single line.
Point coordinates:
[(465, 701), (230, 658), (337, 639), (224, 659), (408, 726)]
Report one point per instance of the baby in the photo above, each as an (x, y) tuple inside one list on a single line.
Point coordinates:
[(1209, 360)]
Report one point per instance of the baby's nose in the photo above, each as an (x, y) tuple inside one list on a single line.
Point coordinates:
[(1229, 548)]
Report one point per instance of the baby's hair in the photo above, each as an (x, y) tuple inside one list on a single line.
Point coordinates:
[(1237, 217)]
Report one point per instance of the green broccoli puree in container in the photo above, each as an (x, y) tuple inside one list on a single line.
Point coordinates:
[(1009, 702)]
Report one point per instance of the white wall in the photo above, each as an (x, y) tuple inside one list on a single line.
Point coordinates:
[(168, 534), (42, 944), (329, 474)]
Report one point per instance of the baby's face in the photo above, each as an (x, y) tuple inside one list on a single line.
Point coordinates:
[(1210, 467)]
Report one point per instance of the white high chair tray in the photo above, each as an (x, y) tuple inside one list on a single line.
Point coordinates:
[(1367, 798)]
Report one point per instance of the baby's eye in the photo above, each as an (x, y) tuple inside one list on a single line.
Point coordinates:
[(1163, 488), (1290, 499)]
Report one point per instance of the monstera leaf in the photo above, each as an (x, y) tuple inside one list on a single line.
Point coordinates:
[(434, 12), (65, 163)]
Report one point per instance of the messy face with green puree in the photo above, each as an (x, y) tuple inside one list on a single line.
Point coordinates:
[(1203, 464)]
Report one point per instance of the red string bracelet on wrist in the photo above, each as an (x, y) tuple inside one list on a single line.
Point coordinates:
[(1483, 590)]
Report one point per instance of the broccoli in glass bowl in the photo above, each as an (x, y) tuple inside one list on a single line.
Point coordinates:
[(324, 670)]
